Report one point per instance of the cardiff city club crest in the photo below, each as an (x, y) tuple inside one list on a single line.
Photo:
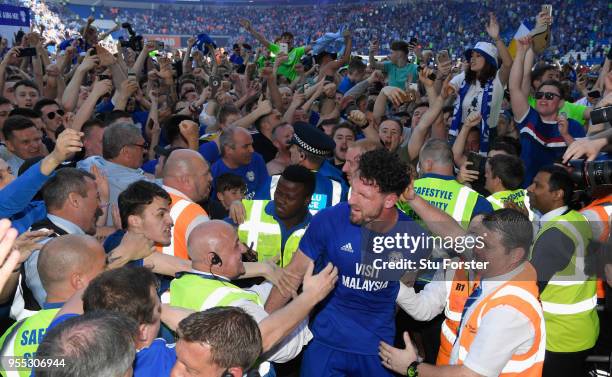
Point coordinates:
[(250, 176)]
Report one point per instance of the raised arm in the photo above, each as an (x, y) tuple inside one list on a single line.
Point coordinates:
[(459, 146), (246, 24), (493, 31), (187, 66), (71, 93), (374, 48), (518, 99), (436, 102), (100, 88)]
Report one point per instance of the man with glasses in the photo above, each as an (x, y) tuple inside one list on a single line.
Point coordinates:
[(545, 132), (52, 117), (123, 149)]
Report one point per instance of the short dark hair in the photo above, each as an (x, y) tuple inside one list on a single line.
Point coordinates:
[(111, 117), (4, 101), (25, 112), (229, 181), (287, 35), (560, 179), (225, 111), (384, 169), (44, 102), (356, 65), (170, 128), (347, 126), (125, 290), (232, 334), (399, 46), (90, 124), (136, 197), (507, 144), (27, 83), (300, 174), (93, 344), (514, 228), (510, 169), (539, 70), (66, 180)]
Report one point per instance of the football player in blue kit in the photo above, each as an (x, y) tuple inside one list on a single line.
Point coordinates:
[(360, 311)]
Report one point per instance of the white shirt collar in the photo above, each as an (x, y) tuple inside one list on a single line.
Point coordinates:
[(552, 214), (68, 226)]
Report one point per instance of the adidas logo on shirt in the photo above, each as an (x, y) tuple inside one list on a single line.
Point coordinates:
[(348, 248)]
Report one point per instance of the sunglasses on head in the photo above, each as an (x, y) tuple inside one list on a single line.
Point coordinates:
[(59, 112), (548, 95)]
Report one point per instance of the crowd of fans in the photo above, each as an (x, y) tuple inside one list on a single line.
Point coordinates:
[(220, 213), (574, 30)]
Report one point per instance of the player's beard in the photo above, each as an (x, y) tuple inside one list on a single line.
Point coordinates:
[(361, 218)]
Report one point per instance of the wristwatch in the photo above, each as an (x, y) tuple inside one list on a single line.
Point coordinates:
[(412, 370)]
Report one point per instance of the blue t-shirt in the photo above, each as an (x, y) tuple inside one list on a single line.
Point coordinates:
[(254, 174), (210, 152), (345, 85), (541, 142), (360, 311), (155, 360)]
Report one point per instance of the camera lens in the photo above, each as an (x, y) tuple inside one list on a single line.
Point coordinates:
[(599, 173)]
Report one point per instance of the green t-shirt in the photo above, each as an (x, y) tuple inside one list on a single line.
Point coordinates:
[(573, 110), (287, 69), (397, 76)]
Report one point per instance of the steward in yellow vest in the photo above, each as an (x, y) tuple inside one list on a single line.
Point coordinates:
[(66, 264), (216, 254), (275, 228), (439, 187), (568, 295)]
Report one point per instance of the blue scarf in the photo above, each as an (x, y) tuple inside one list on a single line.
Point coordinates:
[(485, 109)]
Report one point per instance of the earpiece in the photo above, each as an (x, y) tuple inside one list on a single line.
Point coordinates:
[(216, 260)]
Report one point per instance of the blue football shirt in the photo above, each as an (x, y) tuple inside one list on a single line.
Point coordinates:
[(360, 311)]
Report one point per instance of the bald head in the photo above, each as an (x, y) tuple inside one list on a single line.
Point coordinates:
[(183, 161), (208, 237), (188, 172), (214, 247), (66, 258)]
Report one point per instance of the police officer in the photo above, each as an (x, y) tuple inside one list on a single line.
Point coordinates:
[(439, 187), (310, 148), (568, 295), (503, 179), (270, 227), (65, 264)]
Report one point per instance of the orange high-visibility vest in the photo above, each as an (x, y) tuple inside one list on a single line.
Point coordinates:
[(522, 294), (598, 214), (185, 215), (458, 289)]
